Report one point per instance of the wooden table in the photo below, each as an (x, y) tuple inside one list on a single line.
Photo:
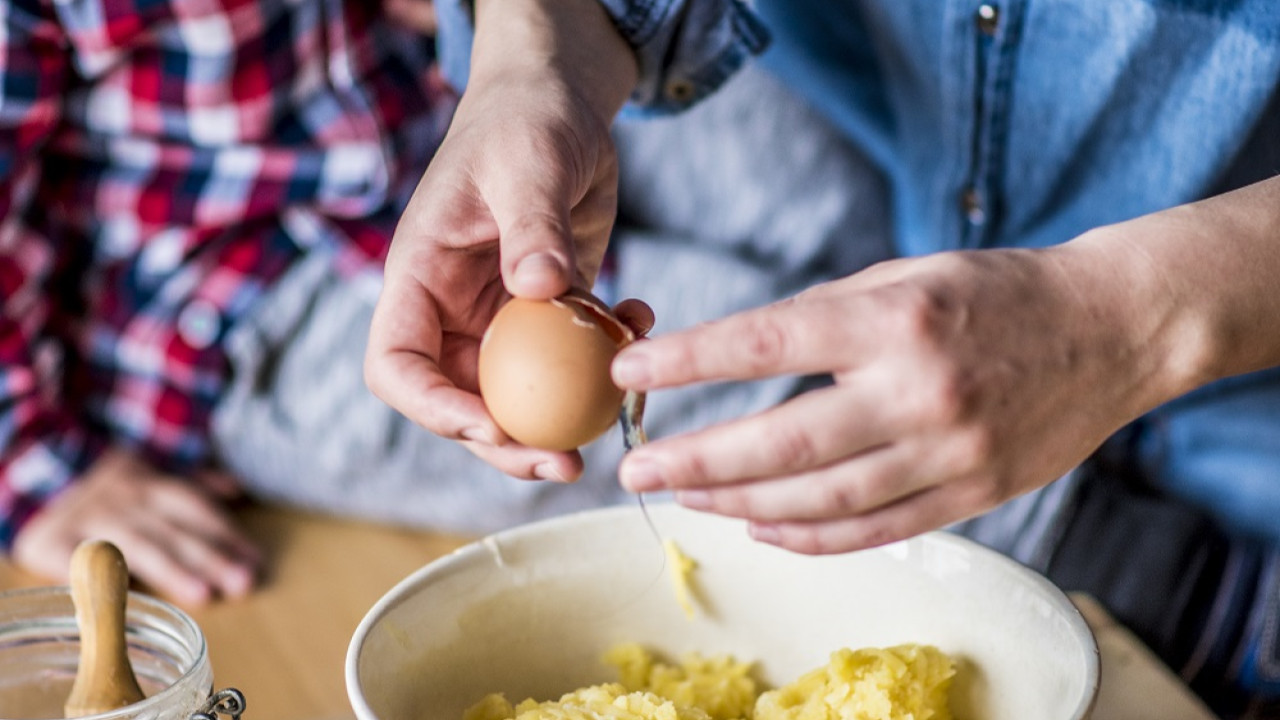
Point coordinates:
[(285, 646)]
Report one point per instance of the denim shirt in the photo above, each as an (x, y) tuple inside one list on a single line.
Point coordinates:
[(1023, 123)]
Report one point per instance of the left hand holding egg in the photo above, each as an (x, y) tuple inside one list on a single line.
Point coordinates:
[(519, 200)]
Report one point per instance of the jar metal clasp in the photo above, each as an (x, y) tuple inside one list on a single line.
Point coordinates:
[(228, 701)]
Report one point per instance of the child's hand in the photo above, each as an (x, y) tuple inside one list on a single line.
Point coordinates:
[(174, 534), (417, 15)]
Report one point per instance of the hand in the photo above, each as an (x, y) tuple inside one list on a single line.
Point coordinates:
[(519, 200), (417, 15), (174, 535), (960, 380), (547, 190)]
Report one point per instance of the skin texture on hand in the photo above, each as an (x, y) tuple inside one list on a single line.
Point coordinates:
[(947, 400), (963, 379), (519, 200), (174, 533)]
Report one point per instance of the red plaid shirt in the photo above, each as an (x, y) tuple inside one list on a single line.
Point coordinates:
[(161, 163)]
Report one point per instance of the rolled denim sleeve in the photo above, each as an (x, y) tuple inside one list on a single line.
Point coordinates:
[(685, 48)]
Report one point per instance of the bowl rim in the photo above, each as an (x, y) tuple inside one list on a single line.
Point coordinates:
[(400, 591)]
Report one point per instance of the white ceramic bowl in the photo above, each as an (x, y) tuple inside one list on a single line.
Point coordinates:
[(530, 611)]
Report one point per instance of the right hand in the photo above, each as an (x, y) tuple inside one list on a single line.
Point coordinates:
[(519, 200), (173, 532)]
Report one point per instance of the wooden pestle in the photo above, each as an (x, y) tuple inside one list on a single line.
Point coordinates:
[(99, 589)]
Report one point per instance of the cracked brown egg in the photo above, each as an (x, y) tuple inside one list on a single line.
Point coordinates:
[(544, 370)]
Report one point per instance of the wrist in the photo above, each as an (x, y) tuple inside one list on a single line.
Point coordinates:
[(1202, 278), (572, 42), (1143, 313)]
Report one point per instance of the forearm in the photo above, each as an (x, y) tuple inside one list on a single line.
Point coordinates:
[(44, 443), (573, 40), (1198, 285)]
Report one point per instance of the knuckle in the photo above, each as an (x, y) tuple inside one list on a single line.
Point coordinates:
[(950, 396), (922, 312), (974, 450), (765, 344), (575, 146), (983, 493), (841, 537), (806, 540), (123, 491), (902, 309), (160, 492), (540, 227), (734, 502), (693, 472), (794, 448), (526, 470), (875, 536), (676, 360), (843, 499), (880, 486)]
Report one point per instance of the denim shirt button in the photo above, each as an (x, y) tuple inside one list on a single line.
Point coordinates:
[(987, 19), (972, 206), (680, 90)]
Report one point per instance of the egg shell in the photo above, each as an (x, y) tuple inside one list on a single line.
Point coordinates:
[(544, 370)]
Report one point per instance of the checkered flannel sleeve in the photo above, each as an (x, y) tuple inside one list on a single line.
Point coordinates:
[(41, 446)]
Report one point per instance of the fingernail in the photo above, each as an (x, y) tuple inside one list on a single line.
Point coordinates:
[(631, 369), (694, 499), (640, 475), (548, 471), (537, 266), (194, 592), (237, 582), (764, 533)]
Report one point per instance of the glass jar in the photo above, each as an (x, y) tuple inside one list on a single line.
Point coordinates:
[(40, 651)]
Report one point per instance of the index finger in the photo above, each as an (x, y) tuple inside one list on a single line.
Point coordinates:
[(403, 366), (795, 336)]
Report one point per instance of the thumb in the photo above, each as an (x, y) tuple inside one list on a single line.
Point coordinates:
[(537, 254), (530, 203)]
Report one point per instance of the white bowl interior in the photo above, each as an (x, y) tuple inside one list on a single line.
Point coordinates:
[(530, 611)]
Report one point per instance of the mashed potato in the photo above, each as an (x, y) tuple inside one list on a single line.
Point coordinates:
[(905, 682), (681, 568), (598, 702), (720, 686)]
